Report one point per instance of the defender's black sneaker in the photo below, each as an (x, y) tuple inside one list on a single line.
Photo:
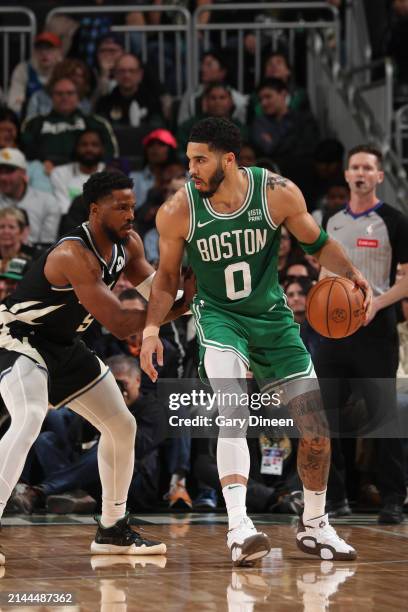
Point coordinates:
[(391, 514), (120, 539)]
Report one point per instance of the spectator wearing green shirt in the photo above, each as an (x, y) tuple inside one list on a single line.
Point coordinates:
[(52, 138)]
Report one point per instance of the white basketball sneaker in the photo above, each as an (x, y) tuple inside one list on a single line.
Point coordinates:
[(319, 538), (247, 545)]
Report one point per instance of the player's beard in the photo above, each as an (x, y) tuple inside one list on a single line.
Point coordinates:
[(214, 182), (114, 236)]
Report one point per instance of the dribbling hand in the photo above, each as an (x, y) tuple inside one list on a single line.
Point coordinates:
[(360, 281), (151, 346)]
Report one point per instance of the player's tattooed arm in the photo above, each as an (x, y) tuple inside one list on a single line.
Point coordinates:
[(282, 197), (275, 180)]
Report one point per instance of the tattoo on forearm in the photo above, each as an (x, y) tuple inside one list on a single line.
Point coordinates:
[(274, 180)]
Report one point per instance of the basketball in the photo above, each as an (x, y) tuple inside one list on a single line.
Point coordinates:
[(334, 307)]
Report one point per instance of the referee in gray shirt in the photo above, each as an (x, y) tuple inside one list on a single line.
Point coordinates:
[(375, 237)]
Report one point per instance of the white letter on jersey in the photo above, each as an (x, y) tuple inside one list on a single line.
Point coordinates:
[(214, 244), (203, 248), (237, 235), (226, 254), (243, 267), (260, 239), (249, 241)]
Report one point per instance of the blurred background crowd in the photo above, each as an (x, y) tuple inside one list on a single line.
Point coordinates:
[(84, 101)]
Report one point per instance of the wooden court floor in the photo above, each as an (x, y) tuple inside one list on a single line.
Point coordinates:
[(51, 555)]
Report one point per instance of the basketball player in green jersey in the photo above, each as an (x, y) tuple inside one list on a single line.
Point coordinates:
[(229, 219)]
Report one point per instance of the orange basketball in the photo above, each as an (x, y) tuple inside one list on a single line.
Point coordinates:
[(334, 307)]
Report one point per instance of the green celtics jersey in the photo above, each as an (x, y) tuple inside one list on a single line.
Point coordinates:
[(234, 256)]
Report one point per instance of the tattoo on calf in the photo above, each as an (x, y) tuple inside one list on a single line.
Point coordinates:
[(314, 462), (308, 413), (274, 180), (314, 445)]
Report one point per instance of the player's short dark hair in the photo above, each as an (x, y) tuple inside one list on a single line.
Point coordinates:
[(101, 184), (219, 134), (272, 83), (366, 148)]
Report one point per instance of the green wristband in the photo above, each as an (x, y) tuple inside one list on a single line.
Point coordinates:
[(311, 249)]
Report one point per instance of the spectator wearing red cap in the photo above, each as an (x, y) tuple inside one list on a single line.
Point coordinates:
[(33, 75), (159, 149), (133, 101)]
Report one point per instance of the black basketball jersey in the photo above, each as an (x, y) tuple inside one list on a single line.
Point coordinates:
[(39, 309)]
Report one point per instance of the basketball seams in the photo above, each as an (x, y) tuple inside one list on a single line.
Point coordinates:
[(350, 311), (312, 295), (328, 306), (326, 302)]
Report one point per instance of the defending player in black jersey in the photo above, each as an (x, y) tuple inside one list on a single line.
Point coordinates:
[(42, 358)]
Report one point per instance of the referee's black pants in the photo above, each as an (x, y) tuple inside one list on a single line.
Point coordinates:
[(365, 366)]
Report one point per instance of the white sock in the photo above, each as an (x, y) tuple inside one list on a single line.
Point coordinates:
[(235, 496), (112, 512), (315, 503)]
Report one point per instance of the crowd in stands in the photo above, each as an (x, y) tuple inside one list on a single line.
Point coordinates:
[(82, 103)]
